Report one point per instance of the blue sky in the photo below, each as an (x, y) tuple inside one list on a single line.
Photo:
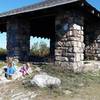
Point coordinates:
[(6, 5)]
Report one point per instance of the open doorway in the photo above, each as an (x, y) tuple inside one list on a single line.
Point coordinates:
[(39, 49), (89, 41), (3, 43)]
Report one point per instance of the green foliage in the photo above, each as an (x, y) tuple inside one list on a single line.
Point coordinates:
[(34, 50), (2, 64), (40, 49), (3, 51)]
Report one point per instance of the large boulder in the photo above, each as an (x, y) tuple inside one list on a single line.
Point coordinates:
[(44, 80)]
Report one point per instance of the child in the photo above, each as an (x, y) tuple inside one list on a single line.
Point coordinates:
[(25, 69), (9, 71)]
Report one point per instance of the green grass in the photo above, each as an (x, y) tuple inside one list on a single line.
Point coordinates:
[(70, 80), (73, 82), (76, 83), (2, 64)]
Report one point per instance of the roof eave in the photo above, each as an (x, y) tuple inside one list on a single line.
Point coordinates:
[(20, 10), (91, 9)]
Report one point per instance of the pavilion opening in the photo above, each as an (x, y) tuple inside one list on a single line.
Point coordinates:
[(39, 49), (3, 44)]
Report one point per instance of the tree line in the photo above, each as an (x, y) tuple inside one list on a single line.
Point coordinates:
[(38, 49)]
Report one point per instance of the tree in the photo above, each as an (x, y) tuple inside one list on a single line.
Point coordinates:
[(40, 49), (43, 49), (3, 51), (34, 49)]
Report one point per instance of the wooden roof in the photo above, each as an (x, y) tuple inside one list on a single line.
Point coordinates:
[(48, 4)]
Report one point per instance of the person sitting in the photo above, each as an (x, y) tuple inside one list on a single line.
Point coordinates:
[(25, 69), (9, 71)]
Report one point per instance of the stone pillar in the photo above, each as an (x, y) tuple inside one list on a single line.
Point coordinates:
[(18, 39), (69, 41), (52, 49), (97, 41)]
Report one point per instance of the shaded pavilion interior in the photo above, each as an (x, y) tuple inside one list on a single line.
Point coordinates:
[(40, 20)]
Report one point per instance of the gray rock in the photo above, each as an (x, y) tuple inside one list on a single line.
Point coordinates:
[(44, 80)]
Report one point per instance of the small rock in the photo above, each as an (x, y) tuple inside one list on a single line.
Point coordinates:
[(26, 98), (67, 92), (33, 96), (37, 69), (81, 84), (17, 94), (12, 91)]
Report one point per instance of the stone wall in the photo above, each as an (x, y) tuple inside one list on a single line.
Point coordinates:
[(92, 41), (89, 40), (69, 40), (97, 41), (18, 39)]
